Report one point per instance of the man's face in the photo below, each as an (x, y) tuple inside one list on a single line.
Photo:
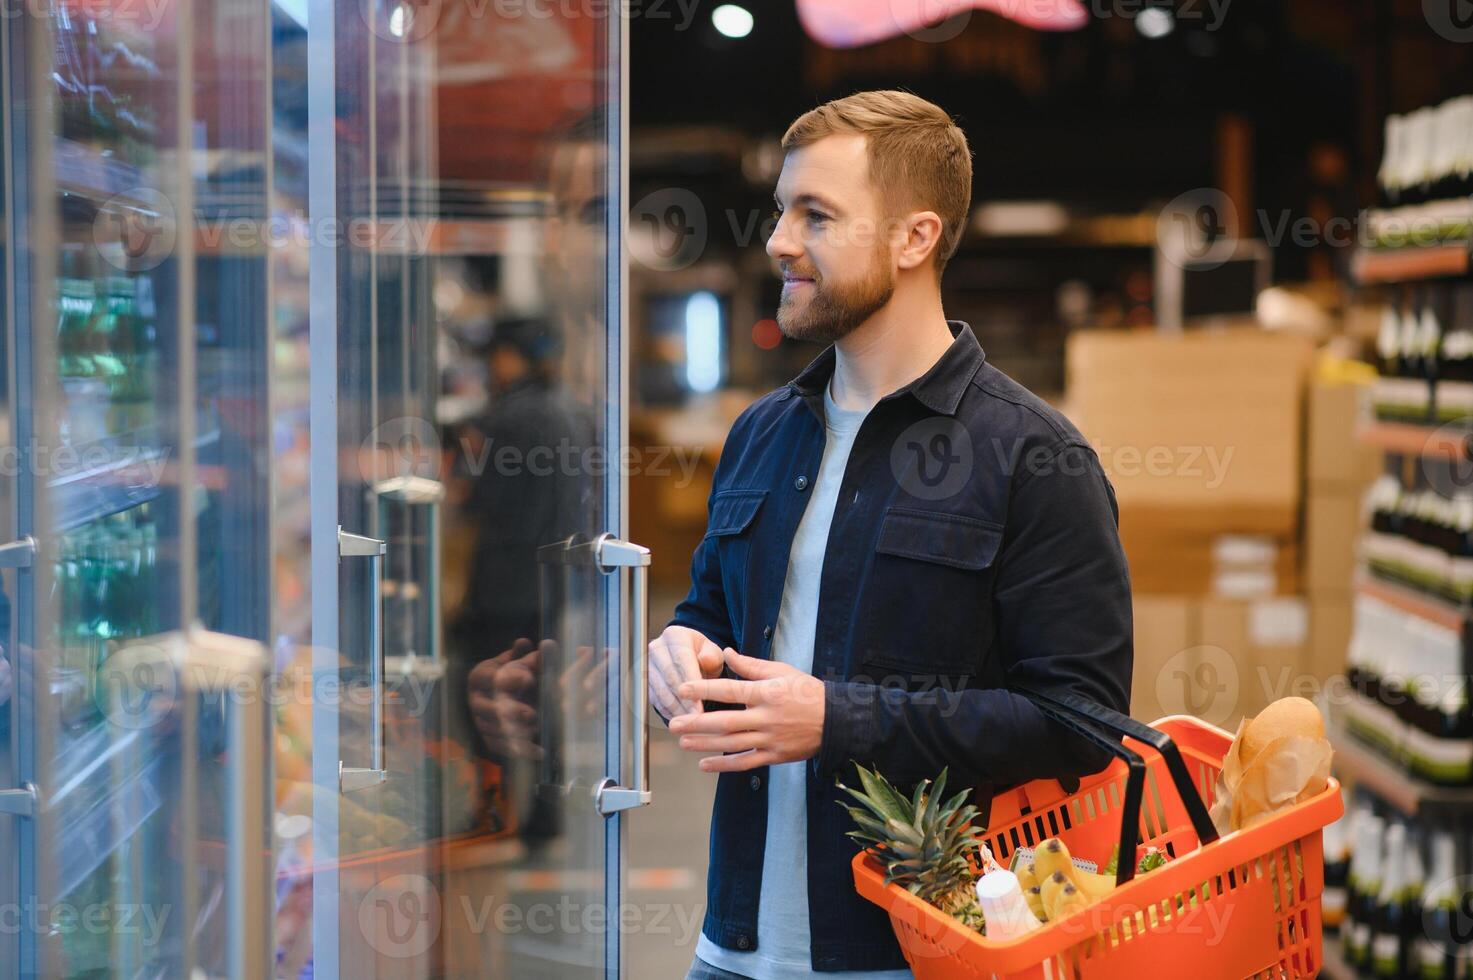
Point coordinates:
[(831, 241)]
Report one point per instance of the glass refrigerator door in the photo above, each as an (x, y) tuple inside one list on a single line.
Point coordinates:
[(473, 607), (136, 738)]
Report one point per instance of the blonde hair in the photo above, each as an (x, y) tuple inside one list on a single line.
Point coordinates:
[(918, 157)]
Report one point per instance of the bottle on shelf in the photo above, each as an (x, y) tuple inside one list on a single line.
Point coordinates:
[(1455, 375), (1435, 950), (1364, 884), (1388, 343), (1390, 927), (1337, 872)]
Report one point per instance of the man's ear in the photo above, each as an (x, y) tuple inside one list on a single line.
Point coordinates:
[(922, 239)]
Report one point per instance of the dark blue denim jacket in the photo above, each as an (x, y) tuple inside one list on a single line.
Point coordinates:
[(974, 545)]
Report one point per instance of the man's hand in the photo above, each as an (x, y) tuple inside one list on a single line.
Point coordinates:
[(782, 720), (678, 655), (503, 699)]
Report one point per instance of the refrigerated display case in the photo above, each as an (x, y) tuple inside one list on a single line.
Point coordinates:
[(133, 355), (290, 659)]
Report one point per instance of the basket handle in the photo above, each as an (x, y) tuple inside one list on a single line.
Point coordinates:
[(1093, 721)]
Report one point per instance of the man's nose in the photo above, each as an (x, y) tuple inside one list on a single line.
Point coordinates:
[(781, 245)]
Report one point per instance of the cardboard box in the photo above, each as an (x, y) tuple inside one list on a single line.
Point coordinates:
[(1223, 659), (1252, 652), (1164, 631), (1336, 461), (1202, 428), (1332, 522), (1330, 624), (1166, 560)]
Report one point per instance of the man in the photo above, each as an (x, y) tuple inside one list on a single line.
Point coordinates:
[(896, 538)]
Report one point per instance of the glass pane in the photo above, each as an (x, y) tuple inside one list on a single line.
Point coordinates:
[(472, 343), (230, 500), (10, 771), (106, 282), (142, 155)]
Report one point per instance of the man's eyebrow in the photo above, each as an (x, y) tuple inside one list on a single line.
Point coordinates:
[(808, 198)]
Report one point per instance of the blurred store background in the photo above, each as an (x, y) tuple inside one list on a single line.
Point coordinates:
[(1231, 240)]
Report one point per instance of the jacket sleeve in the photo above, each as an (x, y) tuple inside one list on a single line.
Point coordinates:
[(1061, 603)]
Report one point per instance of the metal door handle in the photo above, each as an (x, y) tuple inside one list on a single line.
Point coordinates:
[(611, 555), (351, 778), (18, 553), (19, 802)]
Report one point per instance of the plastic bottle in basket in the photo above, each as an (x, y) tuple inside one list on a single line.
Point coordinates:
[(1003, 907)]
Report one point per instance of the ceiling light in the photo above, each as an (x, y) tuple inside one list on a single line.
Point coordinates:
[(732, 20)]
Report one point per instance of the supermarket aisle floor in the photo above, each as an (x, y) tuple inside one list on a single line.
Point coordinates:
[(666, 850)]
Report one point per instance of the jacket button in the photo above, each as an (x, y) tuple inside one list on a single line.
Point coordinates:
[(743, 942), (756, 782), (767, 632), (801, 483)]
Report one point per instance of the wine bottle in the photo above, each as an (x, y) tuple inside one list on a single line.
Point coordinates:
[(1364, 884), (1435, 951), (1388, 915), (1337, 872)]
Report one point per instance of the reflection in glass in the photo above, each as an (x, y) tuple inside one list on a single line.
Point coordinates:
[(472, 348)]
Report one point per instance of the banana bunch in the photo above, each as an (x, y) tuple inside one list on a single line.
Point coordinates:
[(1054, 886)]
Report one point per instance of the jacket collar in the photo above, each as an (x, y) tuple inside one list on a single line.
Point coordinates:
[(940, 389)]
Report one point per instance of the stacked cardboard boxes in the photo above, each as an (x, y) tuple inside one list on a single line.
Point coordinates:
[(1203, 436), (1338, 470)]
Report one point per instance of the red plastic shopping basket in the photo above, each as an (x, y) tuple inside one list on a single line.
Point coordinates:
[(1245, 905)]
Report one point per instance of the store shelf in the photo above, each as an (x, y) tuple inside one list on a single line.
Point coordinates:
[(1412, 264), (1412, 796), (1407, 439), (83, 170), (110, 488), (1421, 605), (130, 477)]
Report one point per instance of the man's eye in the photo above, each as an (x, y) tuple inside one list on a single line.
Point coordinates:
[(816, 216)]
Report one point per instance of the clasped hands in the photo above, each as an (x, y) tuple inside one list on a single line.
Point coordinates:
[(781, 718)]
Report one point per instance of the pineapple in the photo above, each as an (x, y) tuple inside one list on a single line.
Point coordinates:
[(925, 843)]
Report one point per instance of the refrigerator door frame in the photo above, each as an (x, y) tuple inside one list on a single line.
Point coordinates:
[(18, 834), (324, 270), (30, 271)]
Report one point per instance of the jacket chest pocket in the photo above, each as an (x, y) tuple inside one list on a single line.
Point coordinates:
[(927, 601), (733, 513)]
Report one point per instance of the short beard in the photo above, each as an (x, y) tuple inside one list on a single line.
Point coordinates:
[(835, 312)]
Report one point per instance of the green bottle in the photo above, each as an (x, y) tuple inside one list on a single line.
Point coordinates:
[(1364, 884), (76, 302), (1435, 951), (1392, 916)]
